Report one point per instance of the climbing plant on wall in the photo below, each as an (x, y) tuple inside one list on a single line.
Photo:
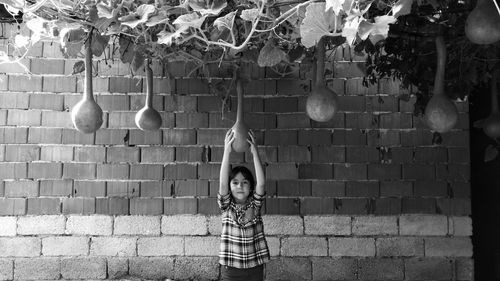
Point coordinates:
[(396, 35)]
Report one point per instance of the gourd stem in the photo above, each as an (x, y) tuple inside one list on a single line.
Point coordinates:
[(320, 61), (88, 91), (149, 85), (441, 64), (239, 92), (494, 93)]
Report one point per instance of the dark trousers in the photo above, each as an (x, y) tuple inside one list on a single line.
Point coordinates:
[(242, 274)]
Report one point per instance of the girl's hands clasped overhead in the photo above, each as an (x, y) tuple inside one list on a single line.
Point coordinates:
[(251, 142), (228, 141)]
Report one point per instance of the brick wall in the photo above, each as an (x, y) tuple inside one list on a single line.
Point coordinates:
[(366, 196)]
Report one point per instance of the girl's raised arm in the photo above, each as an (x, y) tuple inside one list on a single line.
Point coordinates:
[(225, 167), (259, 171)]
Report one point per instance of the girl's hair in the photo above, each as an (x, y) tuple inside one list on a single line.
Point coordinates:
[(246, 174)]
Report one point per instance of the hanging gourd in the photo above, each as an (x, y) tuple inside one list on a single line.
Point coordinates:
[(322, 103), (491, 125), (86, 115), (483, 23), (239, 128), (148, 119), (441, 114)]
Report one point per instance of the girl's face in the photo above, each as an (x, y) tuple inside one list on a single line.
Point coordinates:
[(240, 188)]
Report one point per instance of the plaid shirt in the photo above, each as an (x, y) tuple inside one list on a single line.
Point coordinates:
[(243, 244)]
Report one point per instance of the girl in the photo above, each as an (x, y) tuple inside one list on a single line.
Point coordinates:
[(243, 248)]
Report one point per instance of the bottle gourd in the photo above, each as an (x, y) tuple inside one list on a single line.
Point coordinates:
[(322, 103), (148, 119), (86, 115), (239, 128), (441, 114), (483, 23), (491, 125)]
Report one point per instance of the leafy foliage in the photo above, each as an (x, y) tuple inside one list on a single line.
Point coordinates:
[(198, 29)]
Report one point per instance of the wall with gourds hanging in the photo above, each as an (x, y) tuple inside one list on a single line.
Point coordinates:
[(371, 194)]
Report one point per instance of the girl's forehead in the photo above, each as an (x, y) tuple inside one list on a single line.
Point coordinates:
[(239, 176)]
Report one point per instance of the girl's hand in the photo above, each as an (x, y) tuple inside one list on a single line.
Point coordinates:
[(251, 141), (228, 141)]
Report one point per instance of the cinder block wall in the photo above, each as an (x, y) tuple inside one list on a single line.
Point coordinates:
[(367, 196)]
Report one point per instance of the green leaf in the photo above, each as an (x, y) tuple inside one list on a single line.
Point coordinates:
[(271, 55), (350, 30), (168, 38), (336, 5), (126, 50), (105, 11), (189, 20), (317, 23), (249, 14), (99, 44), (141, 15), (72, 41), (16, 4), (138, 59), (78, 67), (490, 153), (401, 8), (207, 7), (380, 28), (226, 21), (161, 17)]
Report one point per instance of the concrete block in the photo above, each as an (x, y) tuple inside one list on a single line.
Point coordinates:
[(289, 269), (464, 269), (334, 269), (57, 153), (196, 268), (90, 154), (113, 246), (152, 268), (20, 247), (460, 226), (43, 206), (304, 246), (429, 269), (283, 225), (137, 225), (160, 246), (117, 267), (18, 117), (215, 225), (381, 269), (8, 226), (37, 268), (83, 268), (202, 246), (146, 172), (371, 225), (65, 246), (13, 206), (327, 225), (82, 206), (89, 225), (274, 245), (448, 247), (428, 225), (37, 225), (6, 269), (184, 225), (400, 246), (351, 247), (22, 153)]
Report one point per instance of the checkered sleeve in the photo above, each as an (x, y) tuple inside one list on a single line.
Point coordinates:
[(258, 200), (224, 201)]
